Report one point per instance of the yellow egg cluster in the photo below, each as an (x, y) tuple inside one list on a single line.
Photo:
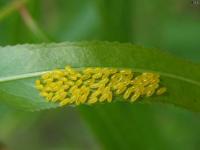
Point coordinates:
[(91, 85)]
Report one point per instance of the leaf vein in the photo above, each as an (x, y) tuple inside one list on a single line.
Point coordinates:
[(36, 74)]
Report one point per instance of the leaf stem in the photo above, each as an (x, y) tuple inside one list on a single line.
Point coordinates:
[(31, 24)]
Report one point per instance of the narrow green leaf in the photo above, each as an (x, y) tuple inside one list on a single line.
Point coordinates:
[(20, 65)]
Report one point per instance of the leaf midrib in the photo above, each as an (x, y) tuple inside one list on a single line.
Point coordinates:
[(36, 74)]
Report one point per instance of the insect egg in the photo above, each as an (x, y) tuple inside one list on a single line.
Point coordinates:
[(128, 92), (88, 71), (109, 98), (65, 86), (97, 75), (79, 82), (65, 102), (96, 93), (149, 92), (92, 85), (92, 100), (121, 90), (161, 90), (55, 98), (46, 76), (44, 94), (39, 87), (85, 76), (37, 82), (135, 96), (49, 97)]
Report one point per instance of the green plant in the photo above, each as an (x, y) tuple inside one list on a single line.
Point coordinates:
[(149, 123), (17, 77)]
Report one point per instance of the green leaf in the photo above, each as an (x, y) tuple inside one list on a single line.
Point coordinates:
[(20, 65)]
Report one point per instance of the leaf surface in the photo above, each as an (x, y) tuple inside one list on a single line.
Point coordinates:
[(20, 65)]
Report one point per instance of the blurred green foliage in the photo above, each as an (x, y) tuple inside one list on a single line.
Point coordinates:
[(169, 25)]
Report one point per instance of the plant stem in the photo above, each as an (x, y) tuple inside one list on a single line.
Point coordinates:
[(10, 8), (31, 24)]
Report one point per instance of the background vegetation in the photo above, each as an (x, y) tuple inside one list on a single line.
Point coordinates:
[(173, 26)]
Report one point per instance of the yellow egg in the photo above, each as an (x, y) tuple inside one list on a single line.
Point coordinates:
[(92, 100), (135, 96), (161, 91), (91, 85), (65, 102)]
